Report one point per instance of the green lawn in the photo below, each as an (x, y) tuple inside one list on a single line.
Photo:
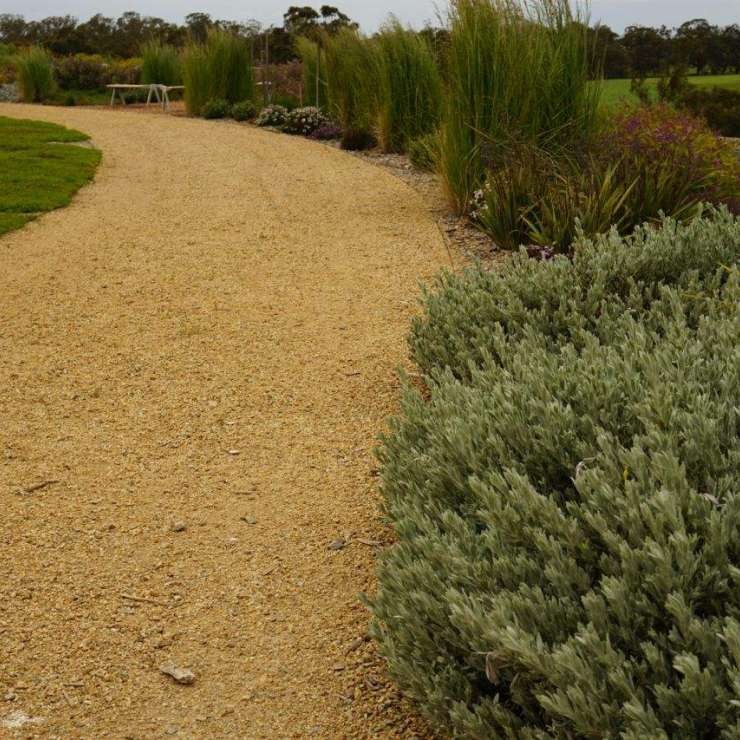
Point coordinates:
[(39, 169), (614, 91)]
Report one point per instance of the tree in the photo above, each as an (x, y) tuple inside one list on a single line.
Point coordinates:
[(300, 21), (197, 25), (692, 43), (648, 48), (13, 28)]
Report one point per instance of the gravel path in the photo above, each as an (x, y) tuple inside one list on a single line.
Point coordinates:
[(196, 357)]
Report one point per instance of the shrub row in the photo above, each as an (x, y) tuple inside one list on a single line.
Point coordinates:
[(565, 495)]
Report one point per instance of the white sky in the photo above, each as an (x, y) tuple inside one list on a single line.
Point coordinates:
[(616, 13)]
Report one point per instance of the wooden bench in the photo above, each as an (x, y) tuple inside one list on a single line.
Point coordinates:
[(161, 92)]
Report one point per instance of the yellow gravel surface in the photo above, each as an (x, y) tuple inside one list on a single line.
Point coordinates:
[(196, 357)]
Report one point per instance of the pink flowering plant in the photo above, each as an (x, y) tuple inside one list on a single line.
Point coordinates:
[(304, 121)]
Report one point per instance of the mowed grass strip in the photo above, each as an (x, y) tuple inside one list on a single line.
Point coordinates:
[(615, 91), (40, 169)]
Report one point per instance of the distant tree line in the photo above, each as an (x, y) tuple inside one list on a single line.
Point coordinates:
[(643, 51), (639, 51), (124, 36)]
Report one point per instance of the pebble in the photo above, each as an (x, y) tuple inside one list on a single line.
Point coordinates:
[(182, 676), (179, 526), (339, 544)]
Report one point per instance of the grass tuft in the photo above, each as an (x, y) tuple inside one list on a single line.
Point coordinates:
[(160, 64), (410, 97), (35, 74)]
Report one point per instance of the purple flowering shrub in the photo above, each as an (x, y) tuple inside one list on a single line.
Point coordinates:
[(644, 162), (326, 131), (674, 159)]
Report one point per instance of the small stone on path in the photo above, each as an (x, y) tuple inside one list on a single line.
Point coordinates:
[(339, 544), (179, 526), (182, 676)]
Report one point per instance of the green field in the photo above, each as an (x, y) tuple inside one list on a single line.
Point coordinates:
[(615, 91), (39, 169)]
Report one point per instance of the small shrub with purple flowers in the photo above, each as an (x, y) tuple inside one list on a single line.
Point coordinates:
[(674, 158), (646, 161), (326, 132)]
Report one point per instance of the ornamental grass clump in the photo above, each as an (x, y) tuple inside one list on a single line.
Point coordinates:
[(196, 78), (220, 69), (160, 64), (230, 66), (410, 89), (516, 74), (565, 495), (314, 71), (352, 80), (34, 70)]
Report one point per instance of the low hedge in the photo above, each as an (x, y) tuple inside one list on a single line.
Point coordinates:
[(565, 495)]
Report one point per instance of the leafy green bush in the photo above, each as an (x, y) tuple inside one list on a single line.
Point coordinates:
[(244, 111), (272, 115), (514, 76), (160, 64), (352, 79), (35, 74), (410, 98), (565, 495), (215, 108), (424, 152), (719, 106), (83, 72)]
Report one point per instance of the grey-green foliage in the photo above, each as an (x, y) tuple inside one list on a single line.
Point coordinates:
[(565, 496), (564, 298)]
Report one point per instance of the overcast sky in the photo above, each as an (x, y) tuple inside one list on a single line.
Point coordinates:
[(616, 13)]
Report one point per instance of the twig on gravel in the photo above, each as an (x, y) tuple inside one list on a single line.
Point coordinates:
[(369, 543), (39, 486), (142, 599)]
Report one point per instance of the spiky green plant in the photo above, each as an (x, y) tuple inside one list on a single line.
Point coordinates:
[(352, 78), (196, 78), (516, 73), (219, 69), (230, 66), (410, 90), (34, 69), (160, 64)]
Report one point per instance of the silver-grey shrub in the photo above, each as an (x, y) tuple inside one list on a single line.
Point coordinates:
[(565, 496)]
